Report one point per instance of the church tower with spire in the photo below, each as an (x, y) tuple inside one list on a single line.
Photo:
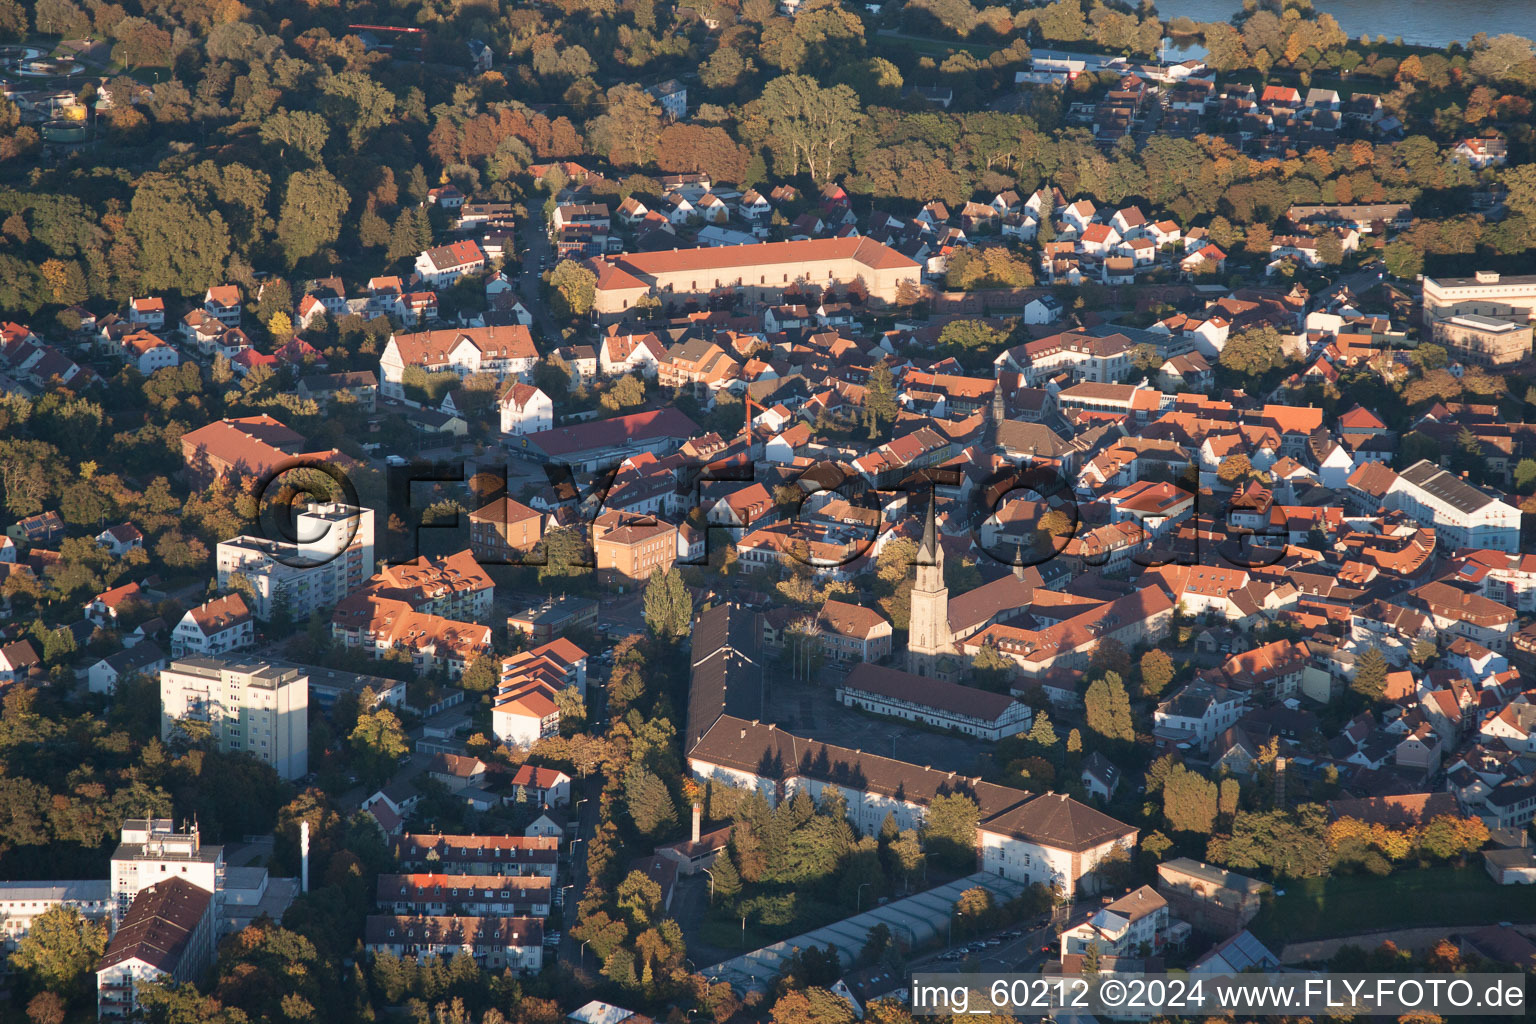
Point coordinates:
[(928, 633)]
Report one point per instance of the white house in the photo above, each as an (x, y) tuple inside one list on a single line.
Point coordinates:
[(524, 409), (147, 353), (442, 265), (222, 302), (1135, 923), (141, 659), (1197, 714), (216, 627), (492, 942), (1043, 309), (16, 660), (120, 539), (147, 314)]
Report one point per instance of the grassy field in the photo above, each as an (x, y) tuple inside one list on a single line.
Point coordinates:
[(1321, 908)]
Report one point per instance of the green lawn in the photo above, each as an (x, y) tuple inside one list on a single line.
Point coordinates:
[(1321, 908)]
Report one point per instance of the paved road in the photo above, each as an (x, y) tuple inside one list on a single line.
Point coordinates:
[(1023, 955), (536, 249)]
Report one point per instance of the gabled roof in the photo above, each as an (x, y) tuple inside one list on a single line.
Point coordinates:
[(158, 926)]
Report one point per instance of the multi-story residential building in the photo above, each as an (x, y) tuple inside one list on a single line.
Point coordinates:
[(525, 712), (1197, 714), (760, 272), (524, 409), (252, 707), (330, 557), (495, 943), (1462, 515), (442, 265), (478, 855), (167, 935), (503, 351), (1136, 924), (219, 626), (453, 586), (504, 532), (154, 849), (380, 624), (934, 702), (1484, 340), (629, 547), (1486, 293), (1460, 613), (474, 895)]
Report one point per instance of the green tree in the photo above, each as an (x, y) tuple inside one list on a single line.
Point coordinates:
[(574, 289), (650, 803), (668, 605), (1253, 353), (880, 407), (1156, 672), (303, 130), (1370, 678), (725, 879), (377, 742), (1108, 710), (949, 832), (482, 674), (1042, 734), (60, 949), (1190, 801), (311, 215), (183, 242), (805, 125)]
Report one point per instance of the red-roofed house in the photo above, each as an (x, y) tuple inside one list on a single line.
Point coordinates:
[(524, 409), (216, 627), (442, 265)]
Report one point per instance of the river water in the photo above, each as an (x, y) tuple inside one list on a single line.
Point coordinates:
[(1424, 22)]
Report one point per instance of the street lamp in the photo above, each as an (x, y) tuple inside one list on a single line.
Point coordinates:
[(858, 903), (711, 875)]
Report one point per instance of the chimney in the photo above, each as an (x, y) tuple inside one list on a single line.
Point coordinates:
[(697, 814), (304, 856)]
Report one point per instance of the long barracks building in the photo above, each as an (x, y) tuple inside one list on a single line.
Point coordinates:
[(1051, 839), (761, 272)]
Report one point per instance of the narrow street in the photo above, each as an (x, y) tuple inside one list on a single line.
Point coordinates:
[(536, 249)]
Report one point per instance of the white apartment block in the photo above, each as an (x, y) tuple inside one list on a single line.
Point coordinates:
[(253, 707), (1486, 293), (1463, 516), (330, 556), (154, 850), (1135, 923)]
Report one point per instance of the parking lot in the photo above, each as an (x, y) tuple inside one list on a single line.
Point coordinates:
[(811, 709)]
